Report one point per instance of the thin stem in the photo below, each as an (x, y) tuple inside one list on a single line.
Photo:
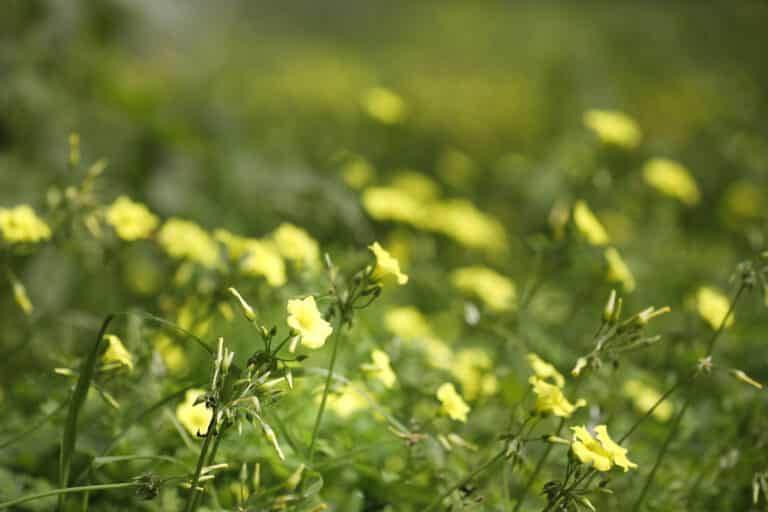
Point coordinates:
[(716, 334), (466, 479), (192, 498), (537, 469), (326, 388), (68, 490), (655, 405)]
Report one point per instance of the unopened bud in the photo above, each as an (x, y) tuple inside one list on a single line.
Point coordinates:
[(581, 363), (556, 440), (248, 312), (74, 150), (743, 377), (21, 297), (610, 307), (293, 480)]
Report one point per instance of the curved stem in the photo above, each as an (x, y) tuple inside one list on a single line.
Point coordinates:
[(326, 388), (466, 479), (68, 490)]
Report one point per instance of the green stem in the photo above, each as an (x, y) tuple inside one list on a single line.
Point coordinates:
[(466, 479), (68, 490), (537, 469), (326, 389), (192, 498)]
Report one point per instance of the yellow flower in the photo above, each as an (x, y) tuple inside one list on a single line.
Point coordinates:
[(712, 306), (613, 127), (469, 367), (617, 453), (407, 322), (296, 245), (386, 264), (438, 353), (644, 397), (743, 200), (183, 239), (588, 225), (195, 418), (618, 271), (380, 368), (461, 220), (305, 319), (171, 353), (346, 401), (550, 399), (357, 173), (390, 203), (495, 290), (543, 370), (131, 220), (673, 179), (452, 403), (416, 185), (21, 225), (116, 352), (384, 105), (262, 258), (589, 451)]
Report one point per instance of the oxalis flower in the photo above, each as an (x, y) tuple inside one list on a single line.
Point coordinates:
[(452, 403), (195, 418), (544, 370), (380, 368), (305, 318), (116, 352), (551, 400), (386, 265), (601, 452)]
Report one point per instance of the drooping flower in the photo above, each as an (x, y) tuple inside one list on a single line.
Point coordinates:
[(195, 418), (644, 397), (384, 105), (296, 245), (613, 127), (306, 320), (588, 225), (495, 290), (380, 368), (22, 225), (452, 403), (618, 270), (712, 305), (543, 370), (116, 352), (551, 400), (386, 265), (131, 220), (673, 179), (183, 239)]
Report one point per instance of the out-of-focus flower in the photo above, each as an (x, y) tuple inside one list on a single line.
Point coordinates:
[(386, 265), (644, 397), (116, 352), (262, 258), (305, 318), (357, 172), (346, 401), (384, 105), (390, 203), (466, 224), (495, 290), (171, 353), (673, 179), (470, 367), (588, 225), (407, 322), (613, 127), (296, 245), (601, 453), (131, 220), (743, 200), (551, 400), (618, 270), (712, 305), (416, 185), (452, 403), (22, 225), (380, 368), (543, 370), (183, 239), (195, 418)]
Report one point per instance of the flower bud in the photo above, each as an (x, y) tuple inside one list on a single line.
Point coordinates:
[(246, 308), (610, 307), (743, 377)]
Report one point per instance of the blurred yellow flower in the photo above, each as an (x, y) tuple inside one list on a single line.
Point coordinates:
[(744, 200), (22, 225), (345, 401), (390, 203), (236, 245), (588, 225), (712, 305), (171, 353), (613, 127), (673, 179), (543, 370), (357, 172), (618, 271), (384, 105), (416, 185), (439, 354), (601, 453), (644, 397), (306, 320), (261, 258), (407, 322), (550, 399), (21, 297), (296, 245), (131, 220), (380, 368), (183, 239), (116, 353), (195, 418), (386, 265), (452, 403), (495, 290), (466, 224), (469, 367)]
